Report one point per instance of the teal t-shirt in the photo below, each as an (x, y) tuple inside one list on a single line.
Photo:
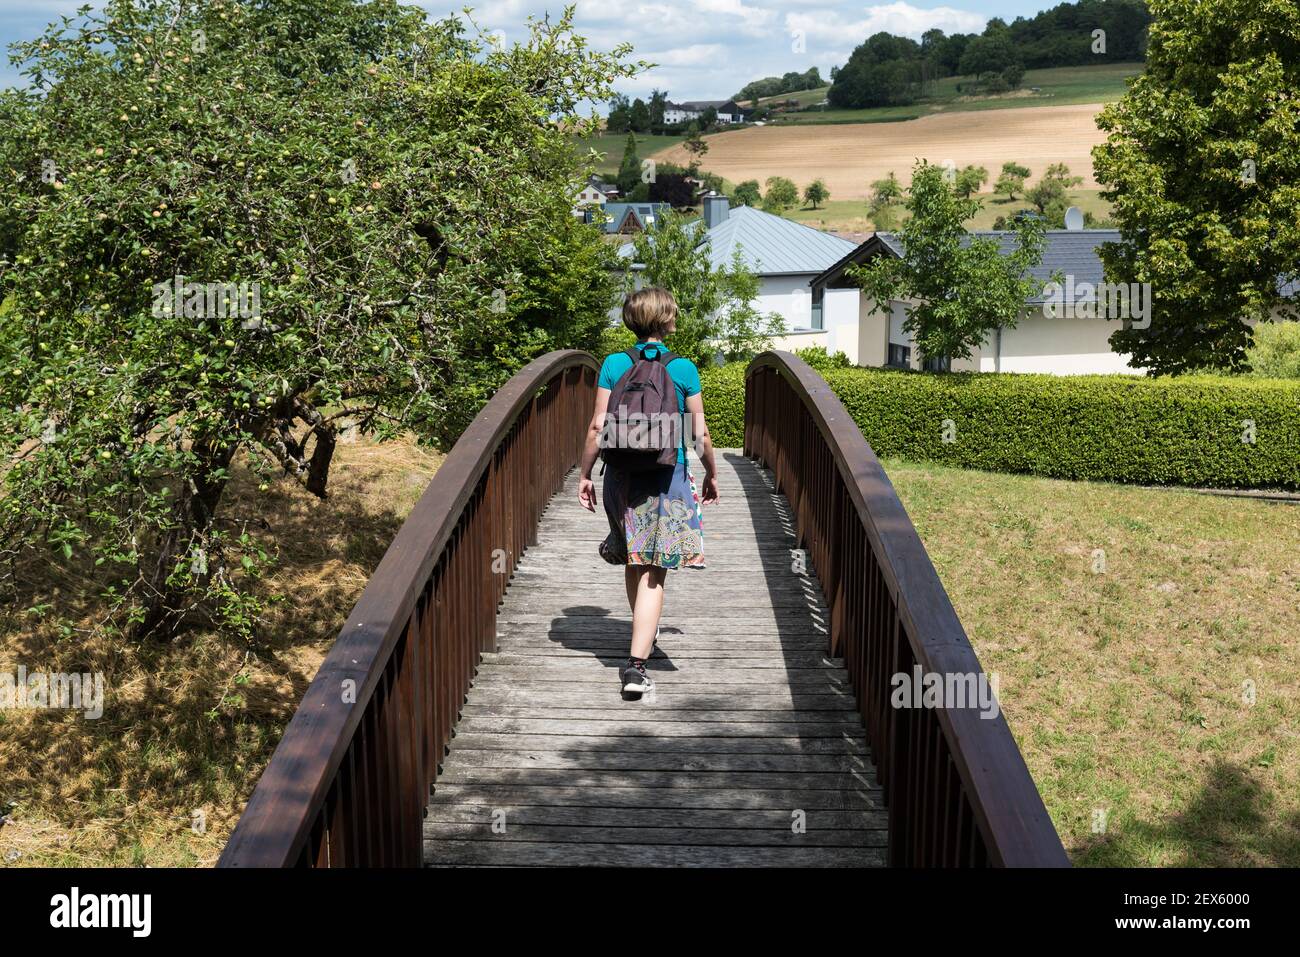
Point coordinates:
[(682, 371)]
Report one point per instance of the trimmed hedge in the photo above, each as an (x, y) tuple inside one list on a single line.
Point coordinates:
[(1116, 428), (723, 389)]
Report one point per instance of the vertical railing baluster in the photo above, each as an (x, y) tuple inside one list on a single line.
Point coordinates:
[(375, 759), (799, 431), (374, 826)]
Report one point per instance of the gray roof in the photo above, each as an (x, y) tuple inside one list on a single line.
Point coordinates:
[(1070, 252), (699, 106), (769, 245), (615, 213), (773, 245)]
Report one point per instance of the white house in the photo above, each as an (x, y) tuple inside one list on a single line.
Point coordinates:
[(731, 112), (1071, 342), (594, 194), (587, 197), (785, 256), (728, 111), (679, 113)]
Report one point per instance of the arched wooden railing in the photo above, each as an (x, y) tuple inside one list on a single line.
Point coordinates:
[(957, 788), (348, 784)]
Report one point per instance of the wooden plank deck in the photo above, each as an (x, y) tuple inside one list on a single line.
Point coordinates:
[(750, 730)]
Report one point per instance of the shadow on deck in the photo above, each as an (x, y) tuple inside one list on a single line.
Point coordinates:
[(749, 751)]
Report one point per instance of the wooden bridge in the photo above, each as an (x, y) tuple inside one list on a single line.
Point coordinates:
[(469, 712)]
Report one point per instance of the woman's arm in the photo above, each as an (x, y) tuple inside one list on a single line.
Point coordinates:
[(703, 447), (587, 490)]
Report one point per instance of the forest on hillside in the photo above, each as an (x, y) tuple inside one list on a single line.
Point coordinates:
[(888, 70)]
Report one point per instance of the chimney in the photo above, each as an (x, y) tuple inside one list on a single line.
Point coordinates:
[(716, 207)]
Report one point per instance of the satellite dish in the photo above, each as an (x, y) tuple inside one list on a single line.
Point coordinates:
[(1074, 218)]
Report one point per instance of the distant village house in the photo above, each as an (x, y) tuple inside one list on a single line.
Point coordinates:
[(594, 194), (626, 219), (728, 111)]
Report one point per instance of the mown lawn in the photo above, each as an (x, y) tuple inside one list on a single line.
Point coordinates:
[(843, 215), (1130, 689), (611, 145), (850, 215), (802, 97), (1058, 86)]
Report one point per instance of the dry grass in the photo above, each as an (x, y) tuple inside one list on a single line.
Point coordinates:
[(188, 726), (1125, 688), (849, 157)]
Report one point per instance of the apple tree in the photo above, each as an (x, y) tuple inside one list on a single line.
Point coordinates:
[(228, 226)]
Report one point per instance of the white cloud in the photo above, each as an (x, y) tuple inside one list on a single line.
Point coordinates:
[(706, 49), (699, 54), (709, 49), (753, 20), (898, 18), (56, 8)]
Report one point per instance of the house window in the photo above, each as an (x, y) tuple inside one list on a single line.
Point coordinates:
[(818, 295), (938, 364), (900, 356)]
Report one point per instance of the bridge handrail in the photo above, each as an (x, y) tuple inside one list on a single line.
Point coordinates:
[(349, 781), (943, 770)]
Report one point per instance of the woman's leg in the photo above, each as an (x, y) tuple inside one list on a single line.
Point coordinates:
[(631, 575), (647, 605)]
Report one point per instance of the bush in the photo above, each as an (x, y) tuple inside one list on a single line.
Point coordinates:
[(823, 361), (716, 311), (1187, 431), (1276, 352), (723, 388), (614, 339)]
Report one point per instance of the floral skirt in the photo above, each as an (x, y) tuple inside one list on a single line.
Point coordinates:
[(654, 518)]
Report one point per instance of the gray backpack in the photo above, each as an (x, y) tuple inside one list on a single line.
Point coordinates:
[(643, 426)]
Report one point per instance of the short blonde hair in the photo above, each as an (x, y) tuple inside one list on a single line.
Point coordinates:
[(649, 312)]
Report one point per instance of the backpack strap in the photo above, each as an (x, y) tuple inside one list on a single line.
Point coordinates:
[(661, 355)]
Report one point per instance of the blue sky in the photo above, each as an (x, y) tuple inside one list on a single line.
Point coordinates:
[(706, 49)]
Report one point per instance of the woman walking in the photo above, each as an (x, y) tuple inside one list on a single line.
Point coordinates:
[(654, 510)]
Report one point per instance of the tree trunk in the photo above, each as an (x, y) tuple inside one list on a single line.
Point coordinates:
[(196, 508)]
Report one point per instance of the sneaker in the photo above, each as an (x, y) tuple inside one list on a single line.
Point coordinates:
[(635, 680)]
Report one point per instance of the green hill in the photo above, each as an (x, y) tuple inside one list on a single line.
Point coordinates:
[(610, 146), (1059, 86)]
